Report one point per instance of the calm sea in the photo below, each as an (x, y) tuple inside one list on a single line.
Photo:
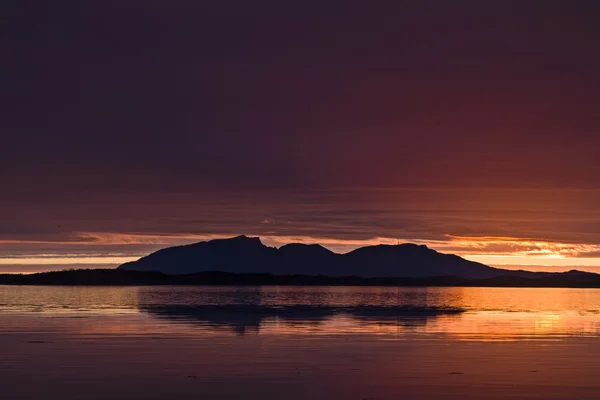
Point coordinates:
[(298, 343)]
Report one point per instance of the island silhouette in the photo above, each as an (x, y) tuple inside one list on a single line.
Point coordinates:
[(244, 260), (248, 255), (243, 255)]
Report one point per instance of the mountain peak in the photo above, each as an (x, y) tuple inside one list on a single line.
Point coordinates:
[(244, 237), (304, 248), (240, 239)]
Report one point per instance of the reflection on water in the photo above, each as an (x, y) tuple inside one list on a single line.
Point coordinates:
[(299, 343), (465, 313), (290, 318)]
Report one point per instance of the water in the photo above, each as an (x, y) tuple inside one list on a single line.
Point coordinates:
[(298, 343)]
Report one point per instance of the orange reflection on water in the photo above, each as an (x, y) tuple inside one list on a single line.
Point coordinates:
[(483, 314), (469, 326)]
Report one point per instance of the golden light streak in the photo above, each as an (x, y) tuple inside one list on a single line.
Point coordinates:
[(65, 260)]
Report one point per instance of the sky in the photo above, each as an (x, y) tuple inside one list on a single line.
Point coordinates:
[(468, 126)]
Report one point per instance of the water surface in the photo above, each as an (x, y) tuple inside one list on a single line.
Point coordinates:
[(298, 342)]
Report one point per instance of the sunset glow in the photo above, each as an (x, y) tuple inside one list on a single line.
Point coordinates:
[(505, 252)]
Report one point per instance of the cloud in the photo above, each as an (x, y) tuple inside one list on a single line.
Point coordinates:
[(530, 223)]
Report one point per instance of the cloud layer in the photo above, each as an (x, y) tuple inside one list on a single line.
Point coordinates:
[(537, 225)]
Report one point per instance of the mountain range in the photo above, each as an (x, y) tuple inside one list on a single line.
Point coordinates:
[(248, 255)]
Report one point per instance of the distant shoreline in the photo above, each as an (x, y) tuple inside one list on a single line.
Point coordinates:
[(115, 277)]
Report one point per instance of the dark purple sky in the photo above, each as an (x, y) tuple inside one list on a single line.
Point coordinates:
[(157, 117)]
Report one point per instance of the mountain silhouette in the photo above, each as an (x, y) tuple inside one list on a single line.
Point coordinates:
[(244, 255)]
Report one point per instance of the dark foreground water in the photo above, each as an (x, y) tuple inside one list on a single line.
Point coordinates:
[(298, 343)]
